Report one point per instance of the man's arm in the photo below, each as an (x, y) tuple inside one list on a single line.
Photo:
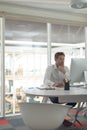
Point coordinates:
[(67, 73), (47, 77)]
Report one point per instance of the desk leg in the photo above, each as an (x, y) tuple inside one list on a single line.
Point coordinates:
[(79, 109), (44, 99), (84, 109), (76, 115)]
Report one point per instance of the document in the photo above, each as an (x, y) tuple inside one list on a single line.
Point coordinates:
[(44, 87)]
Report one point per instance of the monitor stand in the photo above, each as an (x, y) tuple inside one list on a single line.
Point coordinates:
[(85, 77), (85, 85)]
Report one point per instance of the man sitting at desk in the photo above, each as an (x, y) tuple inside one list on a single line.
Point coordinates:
[(55, 75)]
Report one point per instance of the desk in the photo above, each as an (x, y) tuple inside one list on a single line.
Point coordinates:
[(73, 95)]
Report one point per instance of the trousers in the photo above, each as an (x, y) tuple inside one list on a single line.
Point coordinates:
[(56, 100)]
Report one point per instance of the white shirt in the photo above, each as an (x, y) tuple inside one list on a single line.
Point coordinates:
[(53, 75)]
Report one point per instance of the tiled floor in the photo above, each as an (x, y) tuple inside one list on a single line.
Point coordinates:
[(16, 123)]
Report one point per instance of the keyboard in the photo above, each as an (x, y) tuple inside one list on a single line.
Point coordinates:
[(80, 85)]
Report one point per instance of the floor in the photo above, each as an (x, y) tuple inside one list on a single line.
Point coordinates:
[(16, 123)]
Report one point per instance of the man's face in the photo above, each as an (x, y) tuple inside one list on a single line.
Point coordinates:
[(60, 60)]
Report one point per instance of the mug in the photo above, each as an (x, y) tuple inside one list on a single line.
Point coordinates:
[(66, 85)]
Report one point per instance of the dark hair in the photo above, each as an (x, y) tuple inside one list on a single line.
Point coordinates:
[(58, 54)]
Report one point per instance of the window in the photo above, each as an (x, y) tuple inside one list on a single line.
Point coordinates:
[(25, 60), (70, 40)]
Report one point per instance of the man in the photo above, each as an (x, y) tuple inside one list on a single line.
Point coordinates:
[(55, 75)]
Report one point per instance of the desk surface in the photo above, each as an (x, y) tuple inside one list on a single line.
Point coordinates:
[(73, 95)]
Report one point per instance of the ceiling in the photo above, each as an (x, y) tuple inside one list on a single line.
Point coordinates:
[(56, 5)]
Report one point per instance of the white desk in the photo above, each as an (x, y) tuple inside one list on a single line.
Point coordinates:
[(73, 95)]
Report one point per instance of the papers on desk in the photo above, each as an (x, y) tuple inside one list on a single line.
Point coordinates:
[(59, 88), (44, 87)]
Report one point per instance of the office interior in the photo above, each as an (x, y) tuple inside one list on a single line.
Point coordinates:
[(30, 34)]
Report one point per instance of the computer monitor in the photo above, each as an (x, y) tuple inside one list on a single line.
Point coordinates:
[(78, 70)]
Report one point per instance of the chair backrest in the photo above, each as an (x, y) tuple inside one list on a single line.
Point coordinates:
[(43, 116)]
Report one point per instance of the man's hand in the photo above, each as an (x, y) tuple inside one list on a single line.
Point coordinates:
[(60, 84), (61, 68)]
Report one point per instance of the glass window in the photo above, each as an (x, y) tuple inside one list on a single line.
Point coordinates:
[(25, 60), (68, 39)]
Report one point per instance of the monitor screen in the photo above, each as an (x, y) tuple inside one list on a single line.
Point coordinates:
[(77, 69)]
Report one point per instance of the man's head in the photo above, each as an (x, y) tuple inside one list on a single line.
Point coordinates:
[(59, 58)]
